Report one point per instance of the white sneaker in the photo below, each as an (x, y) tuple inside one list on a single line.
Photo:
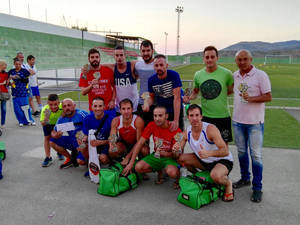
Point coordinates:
[(32, 123), (21, 124)]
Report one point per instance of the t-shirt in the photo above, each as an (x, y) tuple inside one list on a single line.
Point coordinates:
[(256, 83), (104, 87), (54, 116), (32, 78), (3, 77), (128, 134), (91, 123), (144, 71), (213, 88), (163, 89), (20, 85), (160, 133), (76, 119)]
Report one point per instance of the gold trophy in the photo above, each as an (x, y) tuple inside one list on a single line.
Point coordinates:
[(47, 114), (80, 136), (97, 75), (86, 67), (158, 144), (145, 96), (243, 88), (178, 138), (113, 138)]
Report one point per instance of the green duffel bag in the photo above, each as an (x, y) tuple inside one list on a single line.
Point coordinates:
[(113, 183), (198, 190)]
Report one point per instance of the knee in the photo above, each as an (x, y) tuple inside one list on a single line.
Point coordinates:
[(182, 160), (145, 151), (103, 159), (173, 172), (216, 177), (139, 168)]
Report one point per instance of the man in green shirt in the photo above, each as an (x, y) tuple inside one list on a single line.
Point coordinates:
[(215, 83), (49, 115)]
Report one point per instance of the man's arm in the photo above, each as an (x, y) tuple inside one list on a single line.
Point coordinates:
[(230, 89), (135, 76), (150, 101), (176, 108), (267, 97)]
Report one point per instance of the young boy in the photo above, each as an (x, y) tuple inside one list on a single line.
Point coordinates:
[(49, 116)]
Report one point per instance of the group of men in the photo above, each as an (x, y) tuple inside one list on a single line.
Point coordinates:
[(118, 110)]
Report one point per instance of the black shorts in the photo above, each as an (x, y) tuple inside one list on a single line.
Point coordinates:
[(181, 122), (48, 129), (128, 146), (224, 126), (146, 116), (210, 166)]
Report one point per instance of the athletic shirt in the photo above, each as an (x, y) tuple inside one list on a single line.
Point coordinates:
[(145, 71), (208, 145), (126, 87), (32, 78), (19, 85), (3, 77), (127, 134)]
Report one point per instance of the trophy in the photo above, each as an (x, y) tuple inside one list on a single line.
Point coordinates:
[(97, 75), (113, 138), (178, 138), (145, 96), (158, 144), (47, 113), (86, 68), (243, 88), (80, 136), (188, 91)]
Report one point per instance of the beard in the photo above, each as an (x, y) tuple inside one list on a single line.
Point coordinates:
[(95, 64), (147, 58)]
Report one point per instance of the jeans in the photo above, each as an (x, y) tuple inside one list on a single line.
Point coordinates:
[(250, 135), (3, 112)]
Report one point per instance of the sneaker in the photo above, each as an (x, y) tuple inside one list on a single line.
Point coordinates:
[(256, 196), (86, 174), (47, 162), (36, 113), (241, 183), (32, 123), (74, 158), (68, 163), (60, 156), (21, 124)]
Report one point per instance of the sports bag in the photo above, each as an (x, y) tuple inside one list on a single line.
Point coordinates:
[(198, 190), (113, 182)]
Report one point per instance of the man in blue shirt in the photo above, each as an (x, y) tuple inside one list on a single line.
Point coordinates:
[(165, 85), (20, 93), (64, 132)]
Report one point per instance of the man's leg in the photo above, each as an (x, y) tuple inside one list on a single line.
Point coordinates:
[(121, 150), (18, 111), (47, 145), (60, 150), (191, 162), (219, 174), (143, 167), (3, 112), (103, 159)]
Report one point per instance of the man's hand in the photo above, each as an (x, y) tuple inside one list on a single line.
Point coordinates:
[(146, 107), (57, 134), (111, 104), (127, 169), (95, 82), (203, 153), (245, 96), (125, 161), (174, 125), (96, 143)]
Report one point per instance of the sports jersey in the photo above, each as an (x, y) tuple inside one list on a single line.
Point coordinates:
[(164, 134), (207, 144), (163, 89), (126, 87), (54, 116), (32, 78), (213, 89), (128, 134), (76, 119), (91, 123), (3, 77), (144, 71), (20, 85), (103, 89)]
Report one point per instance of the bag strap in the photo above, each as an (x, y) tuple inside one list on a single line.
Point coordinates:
[(101, 124)]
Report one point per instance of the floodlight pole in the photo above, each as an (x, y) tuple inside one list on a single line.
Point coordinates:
[(179, 9), (166, 39), (9, 9)]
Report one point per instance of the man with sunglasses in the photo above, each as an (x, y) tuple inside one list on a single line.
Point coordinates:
[(215, 83)]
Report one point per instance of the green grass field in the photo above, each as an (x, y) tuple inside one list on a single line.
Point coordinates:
[(281, 129)]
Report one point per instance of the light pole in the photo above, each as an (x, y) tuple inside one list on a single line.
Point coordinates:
[(9, 9), (166, 39), (179, 9)]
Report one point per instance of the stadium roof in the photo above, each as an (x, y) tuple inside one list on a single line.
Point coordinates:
[(125, 38)]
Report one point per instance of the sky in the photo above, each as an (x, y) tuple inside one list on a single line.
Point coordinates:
[(203, 22)]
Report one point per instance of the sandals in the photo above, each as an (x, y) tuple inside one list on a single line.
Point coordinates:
[(227, 196)]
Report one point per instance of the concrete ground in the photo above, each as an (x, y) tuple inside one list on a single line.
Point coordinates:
[(32, 195)]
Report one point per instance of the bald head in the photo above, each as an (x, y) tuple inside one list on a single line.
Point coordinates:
[(243, 59), (68, 106)]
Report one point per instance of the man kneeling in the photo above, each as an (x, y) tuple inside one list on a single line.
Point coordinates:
[(210, 151), (162, 158)]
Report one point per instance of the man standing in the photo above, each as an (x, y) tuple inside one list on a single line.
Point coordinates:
[(98, 81), (214, 83), (209, 151), (252, 89), (145, 69), (165, 86), (69, 123), (164, 141), (125, 79)]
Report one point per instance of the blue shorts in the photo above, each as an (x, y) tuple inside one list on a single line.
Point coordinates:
[(48, 129), (35, 91), (66, 142)]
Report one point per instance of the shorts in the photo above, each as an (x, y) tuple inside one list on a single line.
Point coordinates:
[(48, 129), (146, 116), (35, 91), (210, 166), (181, 122), (102, 149), (66, 142), (224, 126), (127, 146), (158, 164)]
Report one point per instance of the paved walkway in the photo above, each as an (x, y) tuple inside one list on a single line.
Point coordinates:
[(30, 194)]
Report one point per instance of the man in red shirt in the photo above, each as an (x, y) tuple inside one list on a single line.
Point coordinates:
[(163, 138), (98, 81)]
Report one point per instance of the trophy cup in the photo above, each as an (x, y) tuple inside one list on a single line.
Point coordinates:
[(178, 138), (145, 96), (158, 144), (113, 138), (47, 113), (188, 91), (80, 136), (86, 68), (97, 75), (243, 88)]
